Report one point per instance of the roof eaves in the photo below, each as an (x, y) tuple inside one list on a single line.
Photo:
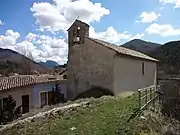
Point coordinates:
[(21, 81)]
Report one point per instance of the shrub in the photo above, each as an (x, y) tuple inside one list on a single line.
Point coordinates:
[(58, 96)]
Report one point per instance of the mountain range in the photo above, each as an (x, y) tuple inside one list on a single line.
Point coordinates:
[(14, 62), (49, 63), (169, 57), (141, 46)]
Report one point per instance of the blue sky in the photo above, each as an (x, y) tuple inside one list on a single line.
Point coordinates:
[(17, 16), (39, 26)]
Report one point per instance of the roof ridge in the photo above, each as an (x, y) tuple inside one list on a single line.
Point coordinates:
[(123, 50), (112, 44)]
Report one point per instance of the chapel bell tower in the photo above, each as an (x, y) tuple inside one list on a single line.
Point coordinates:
[(77, 33)]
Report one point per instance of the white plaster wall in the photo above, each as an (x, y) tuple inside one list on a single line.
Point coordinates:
[(17, 93), (33, 91), (128, 76), (38, 88)]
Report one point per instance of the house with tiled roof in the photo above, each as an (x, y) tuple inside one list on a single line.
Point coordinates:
[(30, 91), (94, 64)]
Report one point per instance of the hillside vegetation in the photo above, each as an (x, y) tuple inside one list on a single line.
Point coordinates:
[(104, 116), (169, 57)]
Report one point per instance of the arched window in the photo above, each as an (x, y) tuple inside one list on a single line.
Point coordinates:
[(77, 35)]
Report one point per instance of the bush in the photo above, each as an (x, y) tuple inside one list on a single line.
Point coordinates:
[(58, 96)]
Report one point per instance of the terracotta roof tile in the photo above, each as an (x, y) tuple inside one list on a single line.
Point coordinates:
[(23, 80), (123, 50)]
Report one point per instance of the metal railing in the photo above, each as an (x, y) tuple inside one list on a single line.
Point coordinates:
[(147, 96)]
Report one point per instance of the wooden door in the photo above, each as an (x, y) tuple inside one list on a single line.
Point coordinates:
[(25, 104), (51, 98), (43, 98)]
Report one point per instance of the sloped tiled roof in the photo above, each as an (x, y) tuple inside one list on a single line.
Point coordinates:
[(123, 50), (24, 80)]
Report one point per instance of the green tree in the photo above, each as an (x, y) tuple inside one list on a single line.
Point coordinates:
[(58, 96), (9, 111)]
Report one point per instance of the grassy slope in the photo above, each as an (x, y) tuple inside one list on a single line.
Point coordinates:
[(102, 117)]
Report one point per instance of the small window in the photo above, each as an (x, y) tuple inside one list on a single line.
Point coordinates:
[(143, 68), (47, 98), (76, 35)]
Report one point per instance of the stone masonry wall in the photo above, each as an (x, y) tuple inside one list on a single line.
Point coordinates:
[(89, 64)]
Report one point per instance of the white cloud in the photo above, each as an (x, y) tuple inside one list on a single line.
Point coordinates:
[(137, 36), (164, 30), (53, 49), (60, 15), (31, 37), (1, 23), (25, 46), (48, 49), (9, 39), (149, 17), (13, 34), (110, 35), (175, 2)]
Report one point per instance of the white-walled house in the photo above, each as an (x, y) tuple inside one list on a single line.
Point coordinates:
[(30, 91), (94, 64)]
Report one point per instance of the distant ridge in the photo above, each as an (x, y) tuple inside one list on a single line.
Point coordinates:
[(169, 56), (14, 62), (141, 46), (49, 63)]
